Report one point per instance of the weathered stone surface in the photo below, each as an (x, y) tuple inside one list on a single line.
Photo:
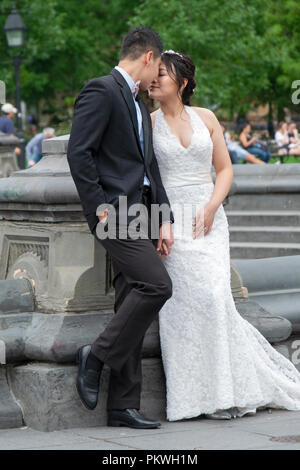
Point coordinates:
[(50, 401), (45, 192), (275, 284), (13, 328), (10, 411), (16, 296), (8, 159), (56, 337), (272, 327), (290, 348), (64, 263)]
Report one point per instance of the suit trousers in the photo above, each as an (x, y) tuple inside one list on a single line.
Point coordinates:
[(142, 286)]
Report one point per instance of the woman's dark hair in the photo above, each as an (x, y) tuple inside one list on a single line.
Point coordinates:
[(181, 66), (140, 40), (243, 126)]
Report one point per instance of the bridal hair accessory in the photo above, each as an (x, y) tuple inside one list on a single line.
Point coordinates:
[(170, 51)]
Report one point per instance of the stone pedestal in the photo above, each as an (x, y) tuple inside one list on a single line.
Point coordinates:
[(8, 159), (44, 237), (50, 400)]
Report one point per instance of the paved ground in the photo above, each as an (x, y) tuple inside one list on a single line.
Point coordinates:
[(278, 430)]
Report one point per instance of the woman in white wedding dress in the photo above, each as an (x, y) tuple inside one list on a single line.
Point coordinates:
[(216, 363)]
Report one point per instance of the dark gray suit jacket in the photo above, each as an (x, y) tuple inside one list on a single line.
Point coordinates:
[(104, 152)]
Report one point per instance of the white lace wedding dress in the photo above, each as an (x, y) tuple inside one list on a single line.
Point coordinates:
[(212, 357)]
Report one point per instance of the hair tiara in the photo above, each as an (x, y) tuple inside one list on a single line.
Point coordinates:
[(170, 51)]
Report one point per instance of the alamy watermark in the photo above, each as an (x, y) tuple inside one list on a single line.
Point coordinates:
[(296, 94), (138, 221)]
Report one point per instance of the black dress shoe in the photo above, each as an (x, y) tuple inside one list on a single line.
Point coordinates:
[(130, 417), (87, 382)]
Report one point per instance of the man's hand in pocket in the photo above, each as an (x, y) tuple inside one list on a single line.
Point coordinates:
[(103, 216)]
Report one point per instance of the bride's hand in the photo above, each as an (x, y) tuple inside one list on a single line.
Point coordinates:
[(162, 252), (205, 227)]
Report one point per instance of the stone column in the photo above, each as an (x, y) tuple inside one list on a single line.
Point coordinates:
[(8, 159)]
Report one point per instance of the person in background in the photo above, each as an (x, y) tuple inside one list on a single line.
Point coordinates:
[(283, 140), (236, 151), (34, 147), (252, 144), (32, 124), (293, 133), (6, 120)]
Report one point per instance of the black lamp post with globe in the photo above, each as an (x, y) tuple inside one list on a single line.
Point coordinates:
[(14, 30)]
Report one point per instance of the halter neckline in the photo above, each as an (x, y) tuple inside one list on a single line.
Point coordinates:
[(174, 135)]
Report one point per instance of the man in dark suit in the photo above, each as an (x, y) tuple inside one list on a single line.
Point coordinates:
[(110, 154)]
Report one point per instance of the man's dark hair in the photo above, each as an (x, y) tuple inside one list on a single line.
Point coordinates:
[(140, 40)]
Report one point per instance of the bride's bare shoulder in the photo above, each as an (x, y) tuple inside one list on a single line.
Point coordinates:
[(153, 116), (209, 118)]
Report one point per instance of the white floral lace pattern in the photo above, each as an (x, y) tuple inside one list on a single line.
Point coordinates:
[(212, 357)]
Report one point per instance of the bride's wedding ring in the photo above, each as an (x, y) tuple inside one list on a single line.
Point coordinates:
[(205, 228)]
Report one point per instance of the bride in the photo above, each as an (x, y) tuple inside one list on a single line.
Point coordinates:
[(216, 363)]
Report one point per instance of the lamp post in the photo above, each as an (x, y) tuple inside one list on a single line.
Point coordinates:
[(14, 30)]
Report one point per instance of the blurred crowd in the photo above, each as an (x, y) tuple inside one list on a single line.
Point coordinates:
[(33, 148), (250, 147), (243, 146)]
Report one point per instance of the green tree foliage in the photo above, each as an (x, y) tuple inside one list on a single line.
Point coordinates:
[(245, 51), (68, 42), (282, 32)]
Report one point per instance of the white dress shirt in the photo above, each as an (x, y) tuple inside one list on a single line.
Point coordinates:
[(130, 83)]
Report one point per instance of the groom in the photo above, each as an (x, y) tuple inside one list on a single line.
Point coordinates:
[(110, 153)]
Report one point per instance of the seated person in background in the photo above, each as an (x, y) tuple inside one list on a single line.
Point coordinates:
[(236, 152), (283, 140), (233, 156), (252, 144), (293, 133), (34, 147)]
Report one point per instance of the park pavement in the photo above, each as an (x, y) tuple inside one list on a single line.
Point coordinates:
[(278, 429)]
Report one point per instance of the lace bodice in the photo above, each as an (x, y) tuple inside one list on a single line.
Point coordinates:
[(192, 163)]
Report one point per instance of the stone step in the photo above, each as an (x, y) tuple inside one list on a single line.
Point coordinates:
[(266, 201), (254, 250), (271, 234), (262, 218)]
